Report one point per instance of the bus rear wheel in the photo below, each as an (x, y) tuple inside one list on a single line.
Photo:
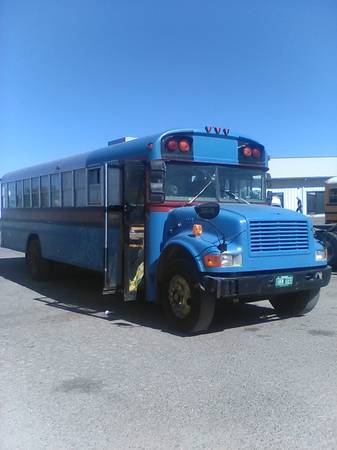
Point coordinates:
[(38, 267), (294, 304), (186, 306)]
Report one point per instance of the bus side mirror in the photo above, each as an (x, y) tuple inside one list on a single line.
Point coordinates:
[(157, 181), (268, 181)]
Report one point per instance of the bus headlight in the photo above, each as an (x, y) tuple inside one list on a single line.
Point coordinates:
[(321, 255), (223, 260)]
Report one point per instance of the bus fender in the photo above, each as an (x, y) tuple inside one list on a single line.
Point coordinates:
[(177, 250)]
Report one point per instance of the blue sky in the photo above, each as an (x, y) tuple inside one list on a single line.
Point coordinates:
[(75, 74)]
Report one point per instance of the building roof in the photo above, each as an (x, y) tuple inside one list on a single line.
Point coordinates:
[(311, 167)]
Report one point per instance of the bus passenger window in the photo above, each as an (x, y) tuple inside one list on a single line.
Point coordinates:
[(4, 195), (94, 186), (11, 195), (19, 194), (333, 196), (80, 190), (35, 192), (44, 191), (67, 189), (55, 187), (26, 193)]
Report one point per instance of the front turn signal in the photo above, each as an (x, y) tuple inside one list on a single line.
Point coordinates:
[(212, 260), (197, 229)]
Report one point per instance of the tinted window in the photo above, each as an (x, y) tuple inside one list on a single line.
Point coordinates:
[(4, 195), (333, 195), (19, 194), (67, 189), (94, 186), (11, 195), (114, 188), (35, 192), (55, 187), (80, 188), (26, 193), (315, 202), (44, 191)]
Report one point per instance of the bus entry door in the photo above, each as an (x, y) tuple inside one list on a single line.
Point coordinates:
[(134, 219)]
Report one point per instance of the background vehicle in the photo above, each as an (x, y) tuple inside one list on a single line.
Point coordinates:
[(328, 233), (180, 217)]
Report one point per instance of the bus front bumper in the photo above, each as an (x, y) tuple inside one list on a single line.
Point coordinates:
[(264, 284)]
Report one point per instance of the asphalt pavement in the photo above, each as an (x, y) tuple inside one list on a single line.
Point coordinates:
[(72, 377)]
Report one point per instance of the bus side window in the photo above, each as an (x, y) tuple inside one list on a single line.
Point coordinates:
[(114, 187), (333, 196), (11, 195), (67, 189), (35, 192), (4, 195), (44, 191), (26, 193), (55, 188), (19, 194), (94, 186), (80, 187)]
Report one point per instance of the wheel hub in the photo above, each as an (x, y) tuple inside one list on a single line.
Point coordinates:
[(179, 294)]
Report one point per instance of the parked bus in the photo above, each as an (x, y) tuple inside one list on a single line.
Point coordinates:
[(327, 233), (179, 217)]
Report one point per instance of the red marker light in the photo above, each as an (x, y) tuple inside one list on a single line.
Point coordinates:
[(247, 152), (208, 129), (217, 130), (226, 131), (184, 146), (256, 153), (172, 145)]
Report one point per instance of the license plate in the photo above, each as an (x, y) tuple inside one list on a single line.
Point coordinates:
[(284, 281)]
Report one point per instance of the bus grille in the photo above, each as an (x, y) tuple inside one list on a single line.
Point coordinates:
[(278, 236)]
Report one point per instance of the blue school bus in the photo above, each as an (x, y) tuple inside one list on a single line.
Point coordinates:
[(179, 217)]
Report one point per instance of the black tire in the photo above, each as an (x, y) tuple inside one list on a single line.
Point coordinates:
[(38, 268), (294, 304), (190, 313), (330, 241)]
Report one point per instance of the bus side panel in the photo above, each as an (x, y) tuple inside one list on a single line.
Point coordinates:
[(14, 236), (75, 238), (154, 239)]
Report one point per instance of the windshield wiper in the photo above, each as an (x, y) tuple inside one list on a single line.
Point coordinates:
[(202, 190), (236, 197)]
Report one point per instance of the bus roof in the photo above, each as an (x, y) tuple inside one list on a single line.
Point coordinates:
[(135, 148)]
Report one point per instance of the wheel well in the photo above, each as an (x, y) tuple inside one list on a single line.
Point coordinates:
[(31, 238), (171, 253)]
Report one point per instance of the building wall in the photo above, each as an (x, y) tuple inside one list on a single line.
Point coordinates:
[(290, 195)]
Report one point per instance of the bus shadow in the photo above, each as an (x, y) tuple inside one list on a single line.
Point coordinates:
[(78, 291)]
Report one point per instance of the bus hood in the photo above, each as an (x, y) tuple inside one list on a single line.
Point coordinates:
[(268, 237)]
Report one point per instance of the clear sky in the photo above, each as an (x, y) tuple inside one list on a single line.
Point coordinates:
[(77, 73)]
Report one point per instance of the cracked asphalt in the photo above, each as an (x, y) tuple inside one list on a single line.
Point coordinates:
[(72, 377)]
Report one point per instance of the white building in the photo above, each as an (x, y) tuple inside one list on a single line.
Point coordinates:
[(302, 178)]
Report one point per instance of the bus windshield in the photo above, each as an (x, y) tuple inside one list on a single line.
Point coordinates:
[(185, 181)]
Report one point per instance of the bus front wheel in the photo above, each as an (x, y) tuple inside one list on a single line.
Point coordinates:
[(186, 306), (294, 304), (38, 267)]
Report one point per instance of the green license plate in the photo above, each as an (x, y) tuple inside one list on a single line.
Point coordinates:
[(284, 281)]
